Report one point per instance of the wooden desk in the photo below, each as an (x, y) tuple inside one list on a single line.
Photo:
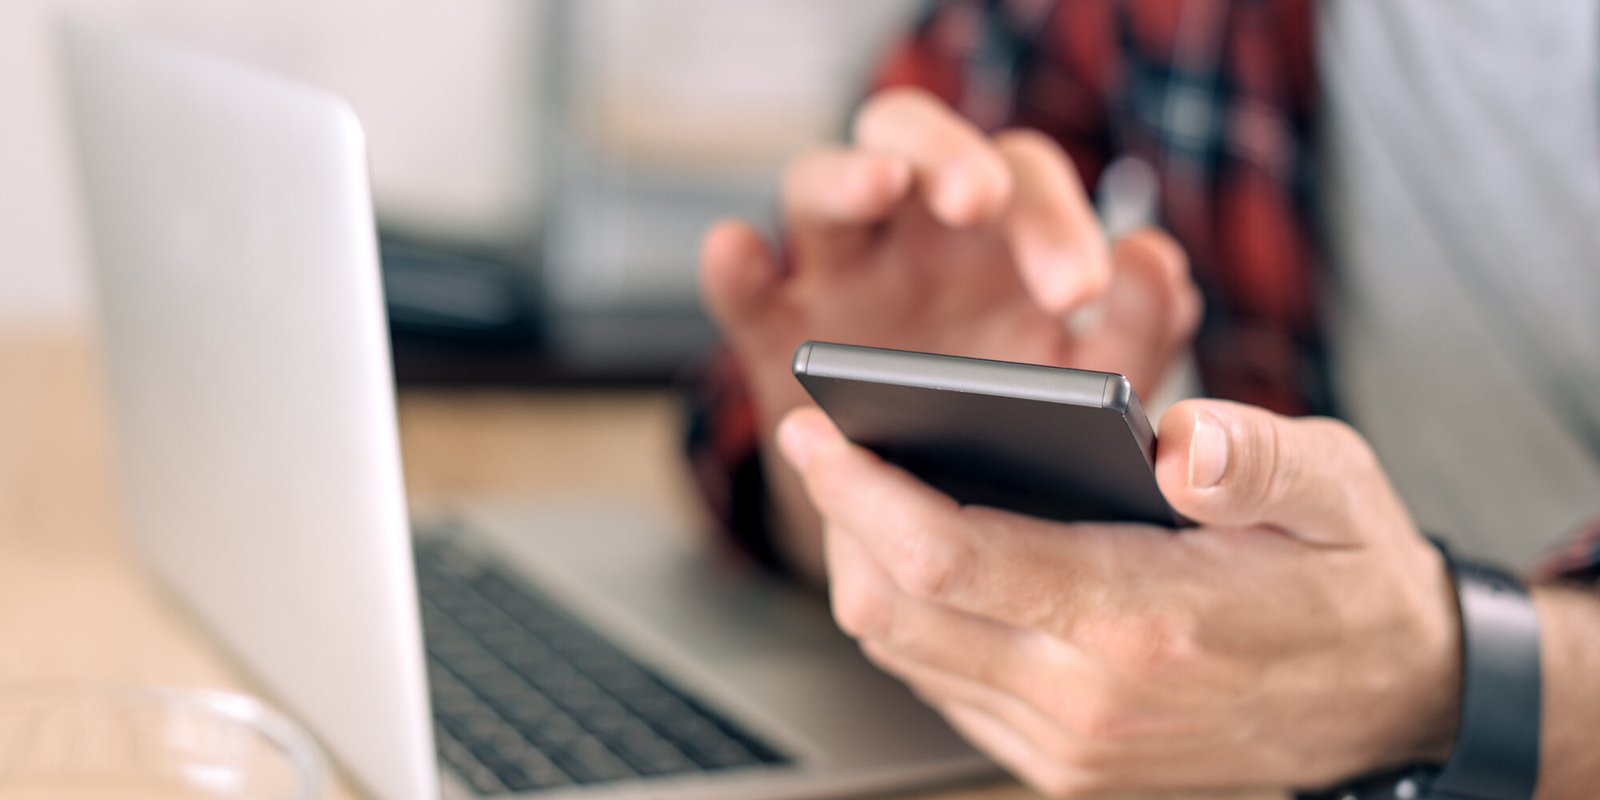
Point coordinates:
[(74, 606)]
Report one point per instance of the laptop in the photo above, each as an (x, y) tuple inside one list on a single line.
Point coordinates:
[(555, 650)]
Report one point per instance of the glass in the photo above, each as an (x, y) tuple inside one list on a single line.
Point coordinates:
[(141, 743)]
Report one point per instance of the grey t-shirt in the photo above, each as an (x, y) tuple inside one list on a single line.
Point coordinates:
[(1461, 146)]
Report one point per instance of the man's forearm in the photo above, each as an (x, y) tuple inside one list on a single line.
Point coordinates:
[(1569, 764)]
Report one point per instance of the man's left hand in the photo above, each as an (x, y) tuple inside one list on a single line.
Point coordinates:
[(1304, 632)]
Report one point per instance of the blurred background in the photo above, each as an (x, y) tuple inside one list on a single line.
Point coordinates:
[(542, 168)]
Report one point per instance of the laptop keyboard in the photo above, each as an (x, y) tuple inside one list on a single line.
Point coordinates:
[(526, 697)]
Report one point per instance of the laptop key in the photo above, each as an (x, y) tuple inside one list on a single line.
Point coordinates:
[(480, 773), (553, 732), (530, 707), (588, 757), (451, 751), (527, 697), (727, 754), (541, 772), (648, 752), (509, 774)]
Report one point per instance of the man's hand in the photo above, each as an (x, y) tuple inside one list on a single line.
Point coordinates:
[(926, 234), (1305, 632)]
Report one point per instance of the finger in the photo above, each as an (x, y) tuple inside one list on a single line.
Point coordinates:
[(1018, 570), (937, 687), (1152, 309), (1086, 769), (1153, 295), (739, 280), (958, 174), (1014, 751), (833, 197), (835, 186), (1047, 675), (868, 606), (905, 524), (1050, 225), (1222, 463), (1034, 668)]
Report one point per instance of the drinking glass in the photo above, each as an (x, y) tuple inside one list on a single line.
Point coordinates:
[(147, 743)]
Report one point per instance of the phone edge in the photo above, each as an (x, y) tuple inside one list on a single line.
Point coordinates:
[(935, 371)]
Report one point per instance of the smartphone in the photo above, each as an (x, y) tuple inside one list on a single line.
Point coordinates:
[(1066, 444)]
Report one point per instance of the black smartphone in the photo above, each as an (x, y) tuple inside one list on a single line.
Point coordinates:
[(1066, 444)]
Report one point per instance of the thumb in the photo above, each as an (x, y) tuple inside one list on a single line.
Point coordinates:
[(739, 278), (1227, 464)]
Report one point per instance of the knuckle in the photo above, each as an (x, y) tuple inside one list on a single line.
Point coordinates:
[(926, 568), (1282, 476), (893, 107), (1191, 305), (1035, 145), (929, 560), (821, 487), (1164, 250), (1060, 750), (829, 482), (1096, 275), (1346, 439), (845, 185), (799, 175), (1099, 716), (1029, 141), (1041, 155), (1145, 645), (1079, 766), (988, 670), (1156, 252), (1277, 467), (1286, 464), (1153, 651), (881, 659), (1172, 260), (859, 610), (1038, 150), (1350, 453)]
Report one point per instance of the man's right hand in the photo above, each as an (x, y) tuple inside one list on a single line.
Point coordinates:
[(926, 234)]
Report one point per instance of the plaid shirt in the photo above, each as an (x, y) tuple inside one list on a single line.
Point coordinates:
[(1220, 98)]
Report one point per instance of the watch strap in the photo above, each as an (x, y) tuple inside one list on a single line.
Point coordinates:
[(1496, 754)]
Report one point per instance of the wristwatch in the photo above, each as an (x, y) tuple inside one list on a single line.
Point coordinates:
[(1496, 753)]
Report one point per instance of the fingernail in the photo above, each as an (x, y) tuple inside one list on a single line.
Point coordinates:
[(796, 443), (1083, 321), (1208, 451)]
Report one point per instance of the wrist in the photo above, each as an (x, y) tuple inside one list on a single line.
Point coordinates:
[(1495, 751), (1569, 616), (1438, 687)]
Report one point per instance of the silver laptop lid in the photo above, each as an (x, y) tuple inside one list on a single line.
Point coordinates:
[(244, 333)]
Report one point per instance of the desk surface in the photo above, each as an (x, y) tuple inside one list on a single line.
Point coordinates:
[(73, 605)]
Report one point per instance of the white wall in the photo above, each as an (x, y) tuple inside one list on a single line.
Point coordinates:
[(468, 172), (447, 89)]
